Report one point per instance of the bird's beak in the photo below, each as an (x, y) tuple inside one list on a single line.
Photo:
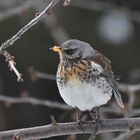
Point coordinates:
[(57, 49)]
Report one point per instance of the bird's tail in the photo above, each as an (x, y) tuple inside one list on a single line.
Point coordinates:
[(118, 99)]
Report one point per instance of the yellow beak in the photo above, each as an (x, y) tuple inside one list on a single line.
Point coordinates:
[(57, 49)]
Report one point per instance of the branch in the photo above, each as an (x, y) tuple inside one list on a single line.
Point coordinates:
[(53, 104), (47, 103), (11, 41), (12, 64), (57, 31), (47, 131), (128, 87), (34, 75), (124, 87), (18, 35)]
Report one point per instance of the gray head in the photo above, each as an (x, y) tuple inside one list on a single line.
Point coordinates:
[(73, 49)]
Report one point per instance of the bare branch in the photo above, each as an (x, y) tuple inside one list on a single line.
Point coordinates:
[(45, 75), (105, 136), (57, 31), (34, 75), (47, 131), (11, 41), (124, 87), (134, 112), (128, 87), (12, 63), (118, 111), (53, 104), (35, 101)]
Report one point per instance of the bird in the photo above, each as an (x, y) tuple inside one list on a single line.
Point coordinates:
[(84, 77)]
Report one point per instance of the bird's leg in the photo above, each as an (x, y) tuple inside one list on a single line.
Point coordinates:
[(94, 117), (98, 120), (77, 115), (95, 114), (78, 119), (98, 115)]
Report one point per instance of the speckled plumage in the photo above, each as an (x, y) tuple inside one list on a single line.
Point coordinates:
[(85, 79), (81, 86)]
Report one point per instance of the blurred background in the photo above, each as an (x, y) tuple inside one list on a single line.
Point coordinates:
[(110, 26)]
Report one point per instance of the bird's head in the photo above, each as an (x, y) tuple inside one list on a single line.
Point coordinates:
[(74, 49)]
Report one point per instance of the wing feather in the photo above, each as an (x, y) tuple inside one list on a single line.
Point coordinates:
[(108, 74)]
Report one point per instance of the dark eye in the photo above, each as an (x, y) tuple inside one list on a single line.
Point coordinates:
[(69, 51)]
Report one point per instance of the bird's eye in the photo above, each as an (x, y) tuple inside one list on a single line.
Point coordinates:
[(69, 51)]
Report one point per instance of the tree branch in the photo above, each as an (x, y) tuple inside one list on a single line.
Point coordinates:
[(129, 87), (18, 35), (11, 41), (11, 63), (57, 31), (54, 104), (47, 131), (31, 100)]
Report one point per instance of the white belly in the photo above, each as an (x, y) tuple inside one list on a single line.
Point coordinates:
[(84, 96)]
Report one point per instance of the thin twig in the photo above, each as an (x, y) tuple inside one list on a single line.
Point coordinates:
[(47, 131), (129, 87), (12, 64), (57, 31), (34, 75), (124, 87), (11, 41), (12, 67), (31, 100), (134, 112), (53, 104), (45, 75)]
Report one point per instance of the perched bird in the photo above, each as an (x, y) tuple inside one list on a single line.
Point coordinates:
[(84, 77)]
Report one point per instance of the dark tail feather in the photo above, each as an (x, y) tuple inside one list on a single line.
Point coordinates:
[(113, 83)]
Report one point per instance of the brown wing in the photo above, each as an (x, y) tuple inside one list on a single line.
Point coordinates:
[(108, 75), (104, 62)]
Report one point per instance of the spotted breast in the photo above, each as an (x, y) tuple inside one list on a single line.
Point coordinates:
[(82, 85)]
